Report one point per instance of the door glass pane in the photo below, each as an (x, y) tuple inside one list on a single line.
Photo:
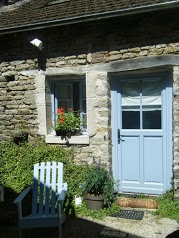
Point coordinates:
[(130, 91), (151, 117), (151, 104), (151, 92), (130, 117)]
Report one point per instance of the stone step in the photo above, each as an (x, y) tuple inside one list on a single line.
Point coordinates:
[(148, 203)]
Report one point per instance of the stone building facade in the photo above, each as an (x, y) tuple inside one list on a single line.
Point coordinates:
[(94, 52)]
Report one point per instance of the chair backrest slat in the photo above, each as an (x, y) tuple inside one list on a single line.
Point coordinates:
[(35, 189), (47, 185), (60, 177), (41, 186), (54, 188)]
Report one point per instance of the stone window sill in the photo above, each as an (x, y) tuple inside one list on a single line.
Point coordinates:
[(80, 140)]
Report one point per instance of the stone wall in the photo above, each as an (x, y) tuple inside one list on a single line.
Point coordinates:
[(17, 104), (81, 46)]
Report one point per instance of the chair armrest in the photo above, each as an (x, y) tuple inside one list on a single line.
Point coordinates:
[(22, 195), (64, 187), (63, 192)]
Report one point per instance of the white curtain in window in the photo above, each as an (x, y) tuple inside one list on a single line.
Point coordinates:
[(130, 93), (150, 92)]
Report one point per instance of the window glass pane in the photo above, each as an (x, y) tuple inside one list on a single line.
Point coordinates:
[(83, 106), (84, 121), (130, 92), (83, 91), (64, 104), (151, 117), (76, 97), (130, 118), (64, 92), (151, 92)]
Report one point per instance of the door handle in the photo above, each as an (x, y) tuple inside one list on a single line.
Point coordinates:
[(119, 136)]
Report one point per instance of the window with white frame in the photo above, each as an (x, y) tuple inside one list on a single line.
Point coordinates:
[(70, 94)]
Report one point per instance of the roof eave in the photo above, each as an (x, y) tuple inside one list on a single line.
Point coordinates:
[(90, 17)]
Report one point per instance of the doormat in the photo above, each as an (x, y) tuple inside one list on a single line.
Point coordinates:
[(129, 214)]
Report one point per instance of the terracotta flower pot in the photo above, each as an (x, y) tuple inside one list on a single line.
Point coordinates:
[(94, 202)]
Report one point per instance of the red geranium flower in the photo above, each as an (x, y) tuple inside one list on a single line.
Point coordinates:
[(60, 110)]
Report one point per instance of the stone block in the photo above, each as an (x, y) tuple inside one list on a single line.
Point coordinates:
[(11, 112), (128, 55), (3, 85), (81, 61), (143, 53), (60, 63), (89, 59), (30, 87), (115, 57), (22, 67), (9, 73), (101, 85), (137, 203), (168, 50), (82, 56), (16, 88)]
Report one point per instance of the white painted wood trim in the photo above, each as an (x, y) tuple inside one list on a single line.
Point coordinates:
[(81, 140)]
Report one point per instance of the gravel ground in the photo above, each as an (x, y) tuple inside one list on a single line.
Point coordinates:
[(149, 227)]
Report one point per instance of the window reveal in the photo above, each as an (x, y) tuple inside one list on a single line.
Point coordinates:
[(70, 95)]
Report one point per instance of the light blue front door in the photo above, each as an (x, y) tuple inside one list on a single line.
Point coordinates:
[(142, 133)]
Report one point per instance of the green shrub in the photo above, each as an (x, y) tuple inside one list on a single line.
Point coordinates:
[(16, 173), (97, 214), (17, 161), (168, 207)]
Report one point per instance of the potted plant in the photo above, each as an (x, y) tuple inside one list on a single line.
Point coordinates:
[(98, 187), (67, 123)]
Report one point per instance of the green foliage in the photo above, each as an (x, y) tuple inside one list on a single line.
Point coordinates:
[(68, 121), (98, 180), (17, 161), (168, 207), (96, 214), (16, 173)]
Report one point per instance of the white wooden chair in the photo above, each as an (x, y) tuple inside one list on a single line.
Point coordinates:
[(48, 193)]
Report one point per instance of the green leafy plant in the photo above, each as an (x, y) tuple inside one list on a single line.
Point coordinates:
[(20, 134), (67, 121), (98, 181), (17, 161), (168, 207), (96, 214)]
